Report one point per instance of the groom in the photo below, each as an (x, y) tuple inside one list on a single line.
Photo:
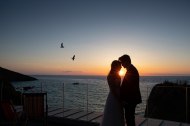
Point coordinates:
[(130, 92)]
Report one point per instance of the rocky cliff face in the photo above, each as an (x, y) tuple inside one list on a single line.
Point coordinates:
[(169, 101), (7, 91), (14, 76)]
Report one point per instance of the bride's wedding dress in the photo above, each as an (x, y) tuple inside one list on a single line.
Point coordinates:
[(113, 111)]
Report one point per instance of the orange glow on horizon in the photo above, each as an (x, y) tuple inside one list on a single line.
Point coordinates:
[(103, 70)]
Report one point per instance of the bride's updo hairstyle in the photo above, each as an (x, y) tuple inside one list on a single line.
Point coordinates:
[(115, 65)]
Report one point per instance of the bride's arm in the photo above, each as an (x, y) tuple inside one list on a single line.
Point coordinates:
[(118, 82), (114, 87)]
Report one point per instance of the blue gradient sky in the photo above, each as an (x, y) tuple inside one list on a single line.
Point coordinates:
[(155, 33)]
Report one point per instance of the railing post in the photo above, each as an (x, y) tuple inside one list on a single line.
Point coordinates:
[(63, 96), (22, 96), (41, 87), (147, 101), (186, 104), (87, 98)]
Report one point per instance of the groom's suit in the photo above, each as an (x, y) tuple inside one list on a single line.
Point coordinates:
[(130, 94)]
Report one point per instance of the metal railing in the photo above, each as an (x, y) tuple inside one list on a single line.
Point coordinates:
[(90, 97), (86, 97)]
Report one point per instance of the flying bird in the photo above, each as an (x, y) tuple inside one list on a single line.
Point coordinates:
[(73, 58), (62, 45)]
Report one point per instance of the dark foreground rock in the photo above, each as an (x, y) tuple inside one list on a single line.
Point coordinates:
[(7, 90), (169, 101), (14, 76)]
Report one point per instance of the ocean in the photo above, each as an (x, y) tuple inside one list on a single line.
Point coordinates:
[(87, 92)]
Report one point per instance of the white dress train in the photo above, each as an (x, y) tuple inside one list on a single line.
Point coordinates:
[(113, 112)]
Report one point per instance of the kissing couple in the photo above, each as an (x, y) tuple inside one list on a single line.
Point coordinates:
[(123, 96)]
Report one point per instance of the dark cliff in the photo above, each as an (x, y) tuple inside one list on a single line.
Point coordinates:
[(14, 76), (169, 101), (7, 90)]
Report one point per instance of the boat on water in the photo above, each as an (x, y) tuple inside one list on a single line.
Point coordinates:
[(75, 83)]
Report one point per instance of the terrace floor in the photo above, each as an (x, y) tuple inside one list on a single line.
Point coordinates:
[(73, 117)]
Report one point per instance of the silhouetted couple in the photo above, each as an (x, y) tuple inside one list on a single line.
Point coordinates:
[(123, 96)]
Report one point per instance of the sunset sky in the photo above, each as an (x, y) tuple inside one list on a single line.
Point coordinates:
[(155, 33)]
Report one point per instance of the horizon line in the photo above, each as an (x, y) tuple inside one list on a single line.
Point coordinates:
[(102, 75)]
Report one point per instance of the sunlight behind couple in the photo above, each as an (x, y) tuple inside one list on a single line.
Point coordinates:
[(122, 72)]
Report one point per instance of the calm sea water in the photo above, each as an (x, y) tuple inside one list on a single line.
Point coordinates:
[(90, 92)]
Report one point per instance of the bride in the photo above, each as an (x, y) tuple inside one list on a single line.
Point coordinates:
[(113, 111)]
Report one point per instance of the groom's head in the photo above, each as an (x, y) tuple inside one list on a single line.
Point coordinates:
[(125, 60)]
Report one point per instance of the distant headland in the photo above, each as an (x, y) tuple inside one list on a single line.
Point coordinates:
[(14, 76)]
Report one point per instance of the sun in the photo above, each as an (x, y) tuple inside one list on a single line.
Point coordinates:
[(121, 72)]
